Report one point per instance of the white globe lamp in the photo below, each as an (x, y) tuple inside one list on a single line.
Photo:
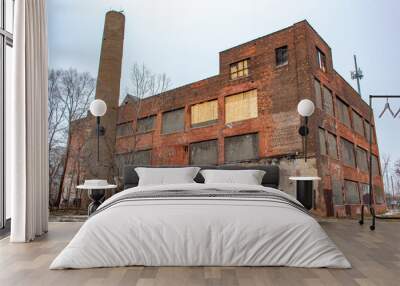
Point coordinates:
[(98, 108), (305, 108)]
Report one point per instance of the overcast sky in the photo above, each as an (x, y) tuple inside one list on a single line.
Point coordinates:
[(183, 38)]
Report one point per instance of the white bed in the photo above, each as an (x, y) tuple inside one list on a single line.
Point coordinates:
[(185, 230)]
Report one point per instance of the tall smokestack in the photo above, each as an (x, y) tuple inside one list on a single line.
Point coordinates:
[(108, 88)]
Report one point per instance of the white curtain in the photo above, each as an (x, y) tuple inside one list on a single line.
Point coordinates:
[(26, 131)]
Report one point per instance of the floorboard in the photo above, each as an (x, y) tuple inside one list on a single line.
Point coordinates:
[(375, 257)]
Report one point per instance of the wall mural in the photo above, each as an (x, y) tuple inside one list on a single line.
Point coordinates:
[(245, 114)]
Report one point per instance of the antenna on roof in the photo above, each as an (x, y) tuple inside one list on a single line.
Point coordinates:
[(357, 74)]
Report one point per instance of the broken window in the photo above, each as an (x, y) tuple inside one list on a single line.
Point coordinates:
[(124, 129), (362, 159), (241, 106), (322, 142), (332, 145), (241, 148), (343, 112), (145, 124), (239, 69), (351, 192), (173, 121), (337, 192), (318, 93), (358, 123), (321, 60), (204, 113), (281, 56), (203, 153), (328, 101)]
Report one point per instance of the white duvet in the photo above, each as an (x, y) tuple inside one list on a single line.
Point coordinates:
[(200, 231)]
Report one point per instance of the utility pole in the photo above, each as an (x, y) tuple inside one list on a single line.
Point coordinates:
[(357, 74)]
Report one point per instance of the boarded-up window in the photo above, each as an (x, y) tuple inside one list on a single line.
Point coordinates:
[(348, 153), (318, 93), (142, 157), (375, 166), (241, 148), (322, 142), (362, 161), (124, 129), (378, 193), (173, 121), (205, 113), (337, 193), (241, 106), (358, 123), (204, 153), (332, 145), (351, 192), (239, 69), (328, 101), (343, 112), (145, 124), (364, 191)]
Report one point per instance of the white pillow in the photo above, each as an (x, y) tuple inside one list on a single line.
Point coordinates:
[(248, 177), (165, 176)]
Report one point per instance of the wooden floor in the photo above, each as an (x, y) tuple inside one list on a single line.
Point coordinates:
[(375, 257)]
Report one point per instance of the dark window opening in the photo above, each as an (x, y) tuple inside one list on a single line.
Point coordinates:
[(348, 157), (281, 56), (318, 93), (328, 101), (364, 191), (173, 121), (241, 148), (145, 124), (375, 166), (351, 193), (379, 195), (321, 59), (322, 142), (203, 153), (343, 112), (141, 157), (337, 191), (362, 159), (358, 123), (367, 131), (124, 129), (332, 145)]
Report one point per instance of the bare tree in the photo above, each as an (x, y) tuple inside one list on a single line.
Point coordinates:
[(56, 126), (144, 83), (70, 94), (386, 171)]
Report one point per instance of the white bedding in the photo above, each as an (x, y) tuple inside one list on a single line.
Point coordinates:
[(200, 231)]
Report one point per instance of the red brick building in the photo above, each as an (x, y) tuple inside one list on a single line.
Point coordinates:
[(248, 113)]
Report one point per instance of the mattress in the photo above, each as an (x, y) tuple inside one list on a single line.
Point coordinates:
[(201, 225)]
